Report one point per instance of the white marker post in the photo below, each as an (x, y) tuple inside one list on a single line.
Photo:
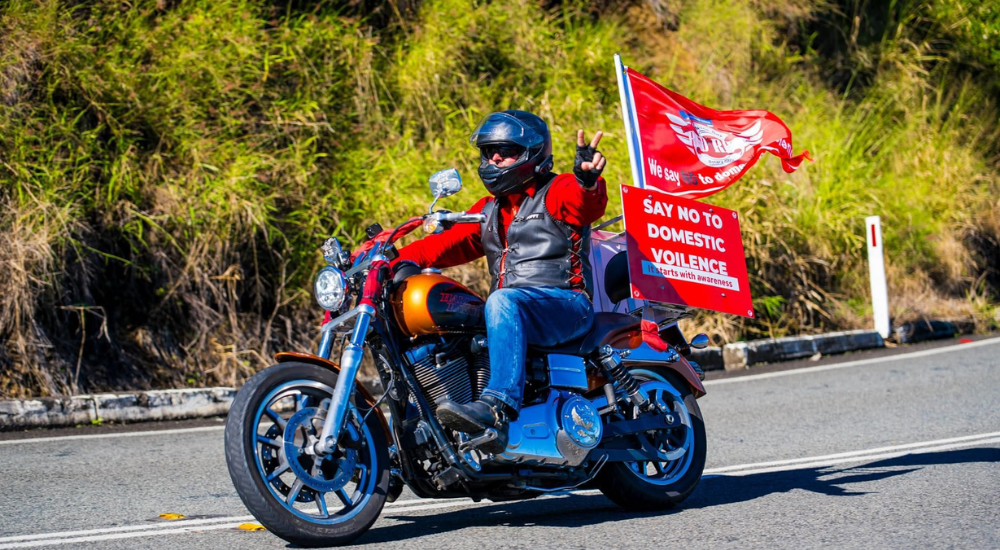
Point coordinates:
[(876, 270)]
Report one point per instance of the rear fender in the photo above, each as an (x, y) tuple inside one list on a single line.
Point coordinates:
[(294, 356), (669, 359), (684, 368)]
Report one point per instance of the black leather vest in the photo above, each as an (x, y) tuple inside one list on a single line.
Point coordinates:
[(541, 250)]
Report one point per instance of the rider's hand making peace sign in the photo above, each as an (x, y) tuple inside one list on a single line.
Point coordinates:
[(589, 161)]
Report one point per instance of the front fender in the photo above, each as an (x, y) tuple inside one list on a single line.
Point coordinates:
[(288, 356)]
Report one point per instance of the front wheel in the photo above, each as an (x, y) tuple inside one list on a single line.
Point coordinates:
[(661, 484), (306, 499)]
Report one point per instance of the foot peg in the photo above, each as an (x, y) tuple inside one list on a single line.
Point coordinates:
[(488, 435)]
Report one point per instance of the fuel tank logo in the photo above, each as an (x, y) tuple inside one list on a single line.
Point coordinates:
[(456, 302), (455, 308)]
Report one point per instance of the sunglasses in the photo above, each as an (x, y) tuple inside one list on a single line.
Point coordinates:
[(505, 151)]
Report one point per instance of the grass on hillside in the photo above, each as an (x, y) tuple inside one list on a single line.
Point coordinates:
[(169, 168)]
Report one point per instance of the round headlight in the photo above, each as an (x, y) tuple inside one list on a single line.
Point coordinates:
[(330, 288)]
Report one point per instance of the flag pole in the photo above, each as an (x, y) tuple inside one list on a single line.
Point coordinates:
[(630, 137), (634, 160)]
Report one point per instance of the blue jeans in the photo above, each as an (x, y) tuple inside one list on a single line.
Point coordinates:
[(516, 317)]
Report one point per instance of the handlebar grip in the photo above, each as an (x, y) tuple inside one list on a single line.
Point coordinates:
[(458, 217), (373, 285)]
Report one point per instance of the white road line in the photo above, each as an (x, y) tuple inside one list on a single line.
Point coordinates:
[(120, 434), (466, 502), (408, 501), (181, 523), (453, 503), (148, 526), (859, 454), (866, 458), (77, 540), (849, 364), (416, 505)]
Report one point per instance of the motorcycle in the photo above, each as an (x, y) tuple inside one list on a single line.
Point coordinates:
[(314, 458)]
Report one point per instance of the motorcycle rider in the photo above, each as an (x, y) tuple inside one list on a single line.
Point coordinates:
[(536, 241)]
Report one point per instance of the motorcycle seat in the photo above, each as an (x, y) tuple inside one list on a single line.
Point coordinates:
[(607, 328)]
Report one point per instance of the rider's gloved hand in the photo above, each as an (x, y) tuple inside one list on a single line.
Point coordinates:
[(589, 161)]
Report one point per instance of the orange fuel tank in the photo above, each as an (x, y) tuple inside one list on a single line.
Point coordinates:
[(435, 304)]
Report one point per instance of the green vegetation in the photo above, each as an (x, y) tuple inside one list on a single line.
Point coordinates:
[(168, 168)]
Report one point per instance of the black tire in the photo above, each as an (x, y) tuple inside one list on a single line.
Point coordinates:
[(240, 441), (627, 489)]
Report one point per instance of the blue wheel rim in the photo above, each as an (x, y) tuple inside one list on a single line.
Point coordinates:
[(308, 497), (670, 471)]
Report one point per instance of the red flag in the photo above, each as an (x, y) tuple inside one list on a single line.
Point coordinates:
[(690, 150)]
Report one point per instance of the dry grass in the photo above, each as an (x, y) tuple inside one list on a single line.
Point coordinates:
[(168, 170), (32, 239)]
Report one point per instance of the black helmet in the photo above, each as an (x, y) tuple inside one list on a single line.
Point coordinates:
[(514, 128)]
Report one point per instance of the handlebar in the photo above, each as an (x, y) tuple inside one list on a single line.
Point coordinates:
[(388, 237), (458, 217)]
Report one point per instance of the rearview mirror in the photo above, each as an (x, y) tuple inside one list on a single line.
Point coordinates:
[(700, 341), (332, 250), (445, 183)]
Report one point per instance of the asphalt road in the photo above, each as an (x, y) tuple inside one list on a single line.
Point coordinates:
[(893, 449)]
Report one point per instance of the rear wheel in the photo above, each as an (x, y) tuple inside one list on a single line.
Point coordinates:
[(305, 499), (667, 480)]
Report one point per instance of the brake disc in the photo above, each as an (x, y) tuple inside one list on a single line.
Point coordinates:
[(321, 473), (271, 459)]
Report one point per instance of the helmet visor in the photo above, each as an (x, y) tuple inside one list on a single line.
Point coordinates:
[(504, 150), (504, 128)]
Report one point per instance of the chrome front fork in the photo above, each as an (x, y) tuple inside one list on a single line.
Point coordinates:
[(350, 363)]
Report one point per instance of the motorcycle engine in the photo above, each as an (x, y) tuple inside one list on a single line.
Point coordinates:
[(444, 372), (559, 432)]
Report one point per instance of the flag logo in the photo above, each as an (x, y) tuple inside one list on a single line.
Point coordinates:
[(713, 147)]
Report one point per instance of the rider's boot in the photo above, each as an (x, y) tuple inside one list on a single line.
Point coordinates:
[(476, 417)]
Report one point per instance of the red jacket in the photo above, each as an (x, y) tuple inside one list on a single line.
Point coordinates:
[(566, 201)]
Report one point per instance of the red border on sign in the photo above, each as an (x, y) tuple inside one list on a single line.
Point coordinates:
[(685, 252)]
